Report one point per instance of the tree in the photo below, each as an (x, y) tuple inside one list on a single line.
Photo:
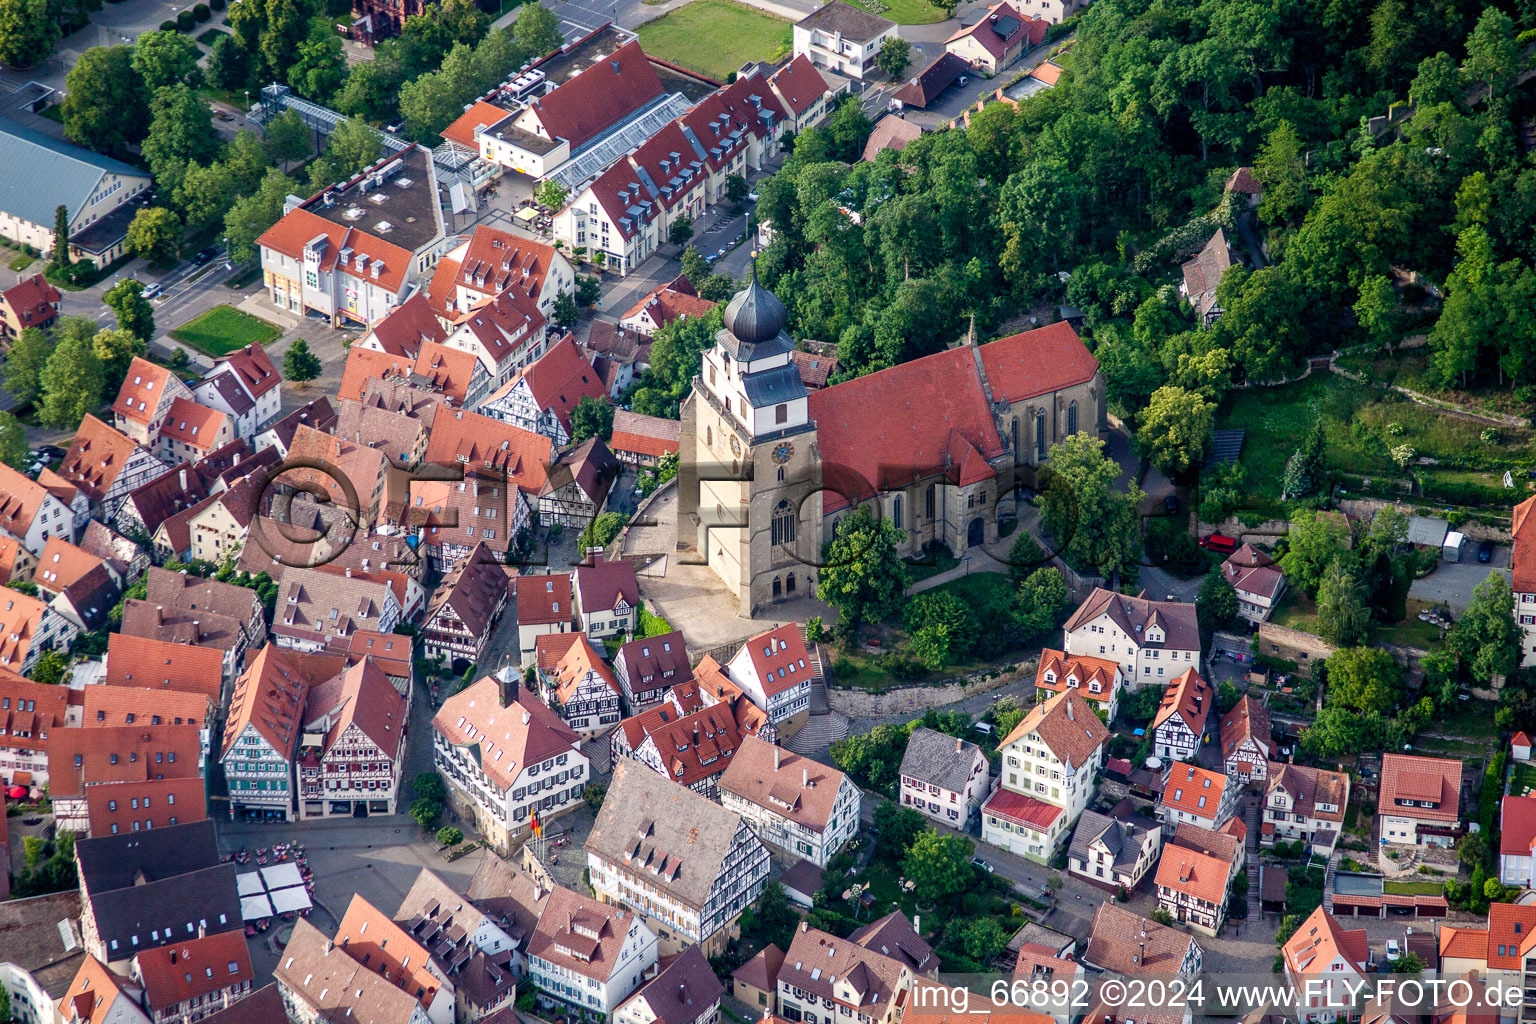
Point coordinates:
[(352, 147), (271, 32), (1342, 616), (942, 628), (155, 233), (537, 29), (299, 363), (565, 311), (206, 193), (1376, 310), (894, 57), (61, 257), (1217, 599), (601, 531), (252, 215), (134, 312), (588, 290), (13, 442), (425, 811), (1093, 522), (116, 349), (1364, 679), (72, 380), (320, 69), (1317, 540), (736, 189), (286, 137), (1175, 428), (551, 193), (228, 65), (24, 364), (166, 58), (449, 836), (429, 785), (982, 938), (180, 133), (49, 668), (1281, 168), (1040, 600), (939, 865), (1025, 556), (105, 103), (1487, 639), (847, 130), (862, 576), (594, 795), (462, 19), (897, 827), (1409, 963), (1493, 52), (28, 32), (680, 231), (1303, 470), (592, 417)]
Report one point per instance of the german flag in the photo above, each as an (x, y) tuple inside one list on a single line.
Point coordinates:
[(538, 826)]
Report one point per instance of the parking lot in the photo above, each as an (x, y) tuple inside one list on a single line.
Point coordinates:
[(1452, 583)]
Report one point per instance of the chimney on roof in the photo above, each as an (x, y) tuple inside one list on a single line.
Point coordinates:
[(805, 778), (1070, 716), (182, 478), (775, 757), (959, 745)]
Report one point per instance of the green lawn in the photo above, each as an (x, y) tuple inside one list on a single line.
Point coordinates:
[(903, 12), (223, 329), (1414, 888), (1522, 781), (211, 36), (54, 112), (1362, 424), (22, 262), (934, 562), (978, 586), (715, 37)]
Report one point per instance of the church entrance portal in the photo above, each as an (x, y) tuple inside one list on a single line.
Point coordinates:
[(975, 533)]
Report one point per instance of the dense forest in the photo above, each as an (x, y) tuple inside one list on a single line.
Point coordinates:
[(1094, 192)]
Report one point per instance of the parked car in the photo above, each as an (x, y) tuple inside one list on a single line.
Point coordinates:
[(752, 197), (982, 864), (1220, 543), (963, 81), (49, 451), (1485, 552), (152, 289), (1394, 951), (204, 255), (1171, 504)]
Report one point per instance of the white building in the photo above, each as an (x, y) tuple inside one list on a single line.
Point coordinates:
[(1517, 838), (944, 777), (1196, 796), (589, 955), (793, 803), (543, 395), (1257, 581), (506, 757), (606, 597), (1178, 728), (1327, 964), (1304, 803), (1420, 801), (685, 864), (144, 400), (1097, 679), (490, 262), (852, 982), (1048, 764), (30, 513), (246, 386), (1246, 742), (1153, 641), (1113, 853), (686, 991), (843, 38), (261, 736), (773, 671)]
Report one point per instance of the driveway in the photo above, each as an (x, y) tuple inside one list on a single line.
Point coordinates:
[(1452, 582)]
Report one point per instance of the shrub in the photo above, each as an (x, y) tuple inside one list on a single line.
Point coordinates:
[(185, 20), (167, 26), (201, 12), (1455, 492), (217, 5)]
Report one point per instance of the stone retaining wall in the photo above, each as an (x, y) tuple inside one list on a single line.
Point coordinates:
[(904, 699)]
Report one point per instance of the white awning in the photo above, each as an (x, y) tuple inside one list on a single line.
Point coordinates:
[(249, 883), (293, 898), (255, 908), (280, 875)]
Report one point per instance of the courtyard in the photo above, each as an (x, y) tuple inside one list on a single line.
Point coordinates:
[(716, 37)]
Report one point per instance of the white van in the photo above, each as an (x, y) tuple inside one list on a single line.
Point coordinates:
[(984, 728)]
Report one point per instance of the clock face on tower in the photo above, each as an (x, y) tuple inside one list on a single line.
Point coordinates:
[(783, 452)]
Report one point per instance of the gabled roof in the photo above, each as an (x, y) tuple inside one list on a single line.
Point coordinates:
[(925, 86), (1248, 720), (1195, 874), (33, 301), (20, 501), (1319, 940), (504, 739), (821, 964), (137, 705), (362, 696), (1037, 362), (321, 974), (44, 173), (193, 968), (114, 808), (21, 619), (194, 425), (590, 466), (1080, 669), (95, 458), (1523, 550), (940, 759), (480, 442), (1190, 698), (694, 746), (142, 662), (1308, 787), (609, 90), (299, 227), (402, 331), (580, 663), (92, 994), (1434, 780), (495, 262), (890, 132), (1194, 790), (254, 368), (895, 936), (580, 934), (473, 590), (799, 84), (1126, 943), (644, 435), (1517, 826), (790, 785), (1123, 838), (560, 379), (1067, 725), (670, 302), (1001, 29), (62, 564), (270, 695), (601, 584), (374, 940), (543, 600), (480, 115), (1179, 620), (1250, 571)]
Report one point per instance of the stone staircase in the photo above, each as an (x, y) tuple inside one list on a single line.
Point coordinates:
[(1328, 873), (1253, 817), (818, 732)]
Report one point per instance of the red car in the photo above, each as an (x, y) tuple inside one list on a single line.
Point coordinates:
[(1220, 542)]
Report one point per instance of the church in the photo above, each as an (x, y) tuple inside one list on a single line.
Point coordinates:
[(937, 445)]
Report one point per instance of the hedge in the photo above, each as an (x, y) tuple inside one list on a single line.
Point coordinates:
[(185, 20), (167, 26), (201, 12), (1455, 492)]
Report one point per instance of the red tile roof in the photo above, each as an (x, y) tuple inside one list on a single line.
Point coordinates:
[(1523, 551), (987, 31), (10, 558), (109, 706), (192, 424), (669, 158), (1194, 874), (580, 662), (1048, 73), (799, 84), (92, 994), (143, 388), (449, 370), (29, 710), (62, 564), (1463, 943), (371, 938), (480, 442), (403, 329), (1067, 725), (255, 369), (290, 235), (1190, 697), (611, 89), (1021, 809), (925, 87), (113, 808), (143, 662), (497, 261), (33, 301), (644, 435), (543, 600), (1037, 362), (1194, 790), (1077, 671), (778, 658), (1319, 940), (667, 304), (1420, 779), (561, 378), (96, 457), (193, 968), (365, 364), (481, 115), (21, 616), (474, 717), (20, 501), (78, 758)]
